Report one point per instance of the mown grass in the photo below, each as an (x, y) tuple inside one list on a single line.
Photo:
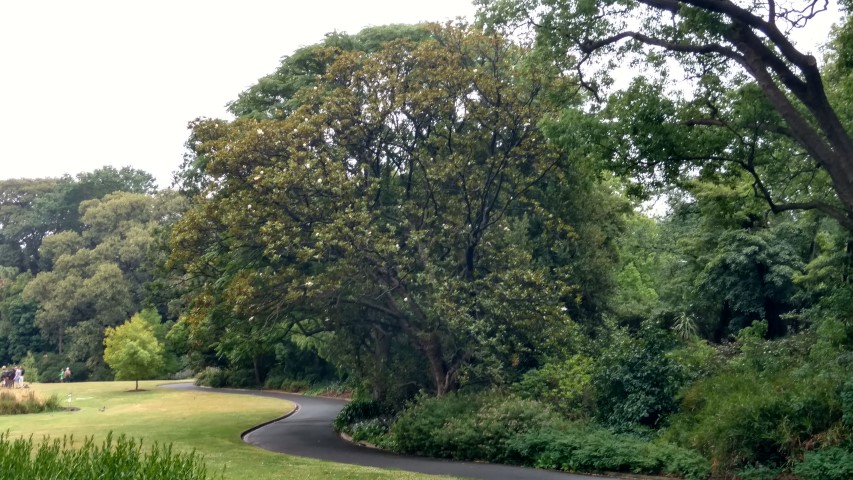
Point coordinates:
[(207, 422)]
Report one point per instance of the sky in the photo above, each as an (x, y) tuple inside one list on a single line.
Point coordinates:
[(90, 83)]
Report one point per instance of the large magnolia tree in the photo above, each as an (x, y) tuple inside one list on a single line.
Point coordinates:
[(392, 209)]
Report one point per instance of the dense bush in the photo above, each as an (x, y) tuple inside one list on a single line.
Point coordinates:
[(358, 411), (565, 386), (770, 404), (47, 368), (503, 428), (586, 449), (635, 383), (375, 432), (211, 377), (826, 464), (123, 457), (240, 378), (13, 402)]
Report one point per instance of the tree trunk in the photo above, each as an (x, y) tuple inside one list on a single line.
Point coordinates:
[(723, 324), (257, 371), (441, 378), (381, 353)]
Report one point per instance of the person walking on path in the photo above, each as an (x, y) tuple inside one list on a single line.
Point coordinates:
[(66, 375)]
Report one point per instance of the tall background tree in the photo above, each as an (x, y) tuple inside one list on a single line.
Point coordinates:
[(407, 203), (716, 43)]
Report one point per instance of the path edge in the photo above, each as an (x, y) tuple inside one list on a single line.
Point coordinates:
[(262, 425)]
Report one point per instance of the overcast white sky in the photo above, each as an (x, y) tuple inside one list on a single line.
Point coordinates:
[(88, 83)]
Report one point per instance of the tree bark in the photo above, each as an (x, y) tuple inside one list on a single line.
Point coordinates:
[(441, 377)]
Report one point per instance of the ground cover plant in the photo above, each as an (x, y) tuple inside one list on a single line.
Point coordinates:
[(208, 423), (14, 402), (495, 427)]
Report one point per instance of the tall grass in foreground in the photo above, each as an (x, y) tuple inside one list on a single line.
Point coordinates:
[(119, 458), (14, 402)]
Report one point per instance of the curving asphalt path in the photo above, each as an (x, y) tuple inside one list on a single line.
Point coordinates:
[(308, 432)]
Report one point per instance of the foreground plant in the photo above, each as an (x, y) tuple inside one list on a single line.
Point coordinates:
[(122, 457)]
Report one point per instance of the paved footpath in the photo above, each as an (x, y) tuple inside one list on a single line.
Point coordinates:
[(308, 433)]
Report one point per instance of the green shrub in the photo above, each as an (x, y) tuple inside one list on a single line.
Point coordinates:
[(295, 385), (416, 429), (826, 464), (635, 382), (847, 403), (329, 388), (564, 385), (274, 381), (766, 405), (373, 431), (240, 378), (760, 473), (211, 377), (586, 449), (358, 411), (47, 368), (123, 457), (30, 364), (496, 427)]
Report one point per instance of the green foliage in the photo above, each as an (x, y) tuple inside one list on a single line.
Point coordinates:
[(847, 403), (696, 359), (769, 403), (14, 402), (373, 431), (633, 299), (122, 457), (48, 365), (468, 427), (357, 411), (18, 332), (635, 383), (826, 464), (760, 473), (211, 377), (495, 427), (563, 385), (585, 449), (333, 198), (132, 350)]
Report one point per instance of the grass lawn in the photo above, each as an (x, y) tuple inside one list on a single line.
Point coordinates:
[(210, 423)]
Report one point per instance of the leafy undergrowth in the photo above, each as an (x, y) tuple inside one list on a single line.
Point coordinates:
[(505, 429)]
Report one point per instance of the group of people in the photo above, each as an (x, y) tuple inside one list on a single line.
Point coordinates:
[(12, 377)]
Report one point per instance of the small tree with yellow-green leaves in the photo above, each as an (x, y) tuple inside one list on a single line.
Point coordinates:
[(132, 350)]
